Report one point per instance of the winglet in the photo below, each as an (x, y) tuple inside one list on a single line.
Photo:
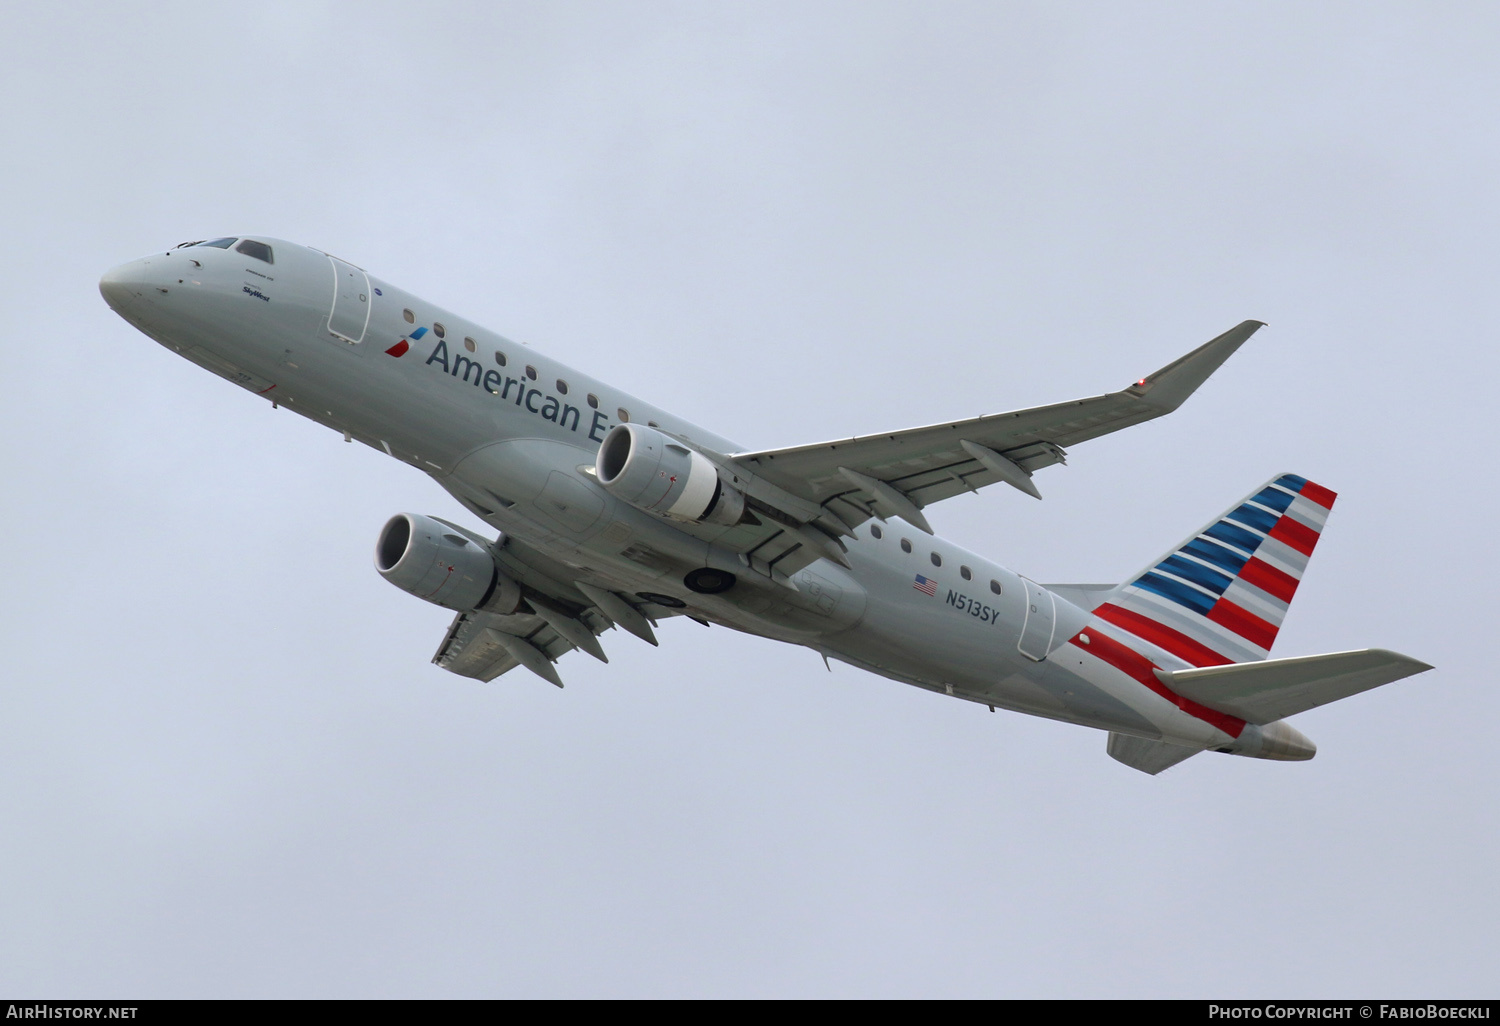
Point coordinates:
[(1171, 385)]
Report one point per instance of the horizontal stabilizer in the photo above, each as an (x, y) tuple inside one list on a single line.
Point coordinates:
[(1265, 691), (1147, 756)]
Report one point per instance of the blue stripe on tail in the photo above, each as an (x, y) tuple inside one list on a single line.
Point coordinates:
[(1197, 573), (1253, 516), (1237, 536), (1274, 498), (1212, 552), (1176, 591)]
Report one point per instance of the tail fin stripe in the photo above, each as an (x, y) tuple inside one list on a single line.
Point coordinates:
[(1196, 573), (1213, 552), (1243, 622), (1193, 624), (1261, 520), (1237, 536), (1283, 557), (1274, 498), (1141, 669), (1308, 490), (1298, 535), (1267, 607), (1309, 513), (1317, 493), (1158, 655), (1269, 579), (1223, 594), (1160, 635), (1177, 591)]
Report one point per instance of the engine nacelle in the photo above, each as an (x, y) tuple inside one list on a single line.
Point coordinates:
[(434, 561), (658, 474)]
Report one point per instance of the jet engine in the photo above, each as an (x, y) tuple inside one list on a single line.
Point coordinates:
[(435, 561), (659, 474)]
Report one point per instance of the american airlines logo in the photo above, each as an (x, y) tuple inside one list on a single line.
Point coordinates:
[(532, 400), (400, 348)]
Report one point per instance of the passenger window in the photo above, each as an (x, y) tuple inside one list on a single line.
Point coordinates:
[(966, 573), (995, 587), (875, 531), (624, 415), (469, 344), (593, 401), (905, 545), (218, 243), (562, 387), (652, 423), (531, 372), (258, 250), (499, 357), (411, 318), (439, 330), (937, 560)]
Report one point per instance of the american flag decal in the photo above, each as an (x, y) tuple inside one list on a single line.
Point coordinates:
[(926, 585)]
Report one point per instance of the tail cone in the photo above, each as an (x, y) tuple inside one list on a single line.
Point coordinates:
[(1285, 743)]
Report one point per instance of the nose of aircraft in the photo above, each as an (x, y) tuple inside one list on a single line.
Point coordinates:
[(122, 287)]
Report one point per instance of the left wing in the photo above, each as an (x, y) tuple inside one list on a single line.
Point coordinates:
[(484, 645), (556, 615), (838, 485)]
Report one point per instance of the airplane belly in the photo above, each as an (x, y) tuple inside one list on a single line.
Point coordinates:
[(539, 479)]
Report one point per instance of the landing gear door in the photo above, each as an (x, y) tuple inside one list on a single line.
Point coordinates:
[(1041, 622), (350, 315)]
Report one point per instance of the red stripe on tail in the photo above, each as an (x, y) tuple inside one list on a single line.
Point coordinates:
[(1317, 493), (1162, 636), (1296, 534), (1139, 668), (1269, 579), (1243, 622)]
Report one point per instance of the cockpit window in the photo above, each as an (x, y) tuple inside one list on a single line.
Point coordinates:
[(258, 250), (217, 243)]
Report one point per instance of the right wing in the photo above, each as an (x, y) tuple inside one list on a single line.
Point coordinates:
[(897, 473), (803, 500)]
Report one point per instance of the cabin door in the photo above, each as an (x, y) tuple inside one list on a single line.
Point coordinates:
[(350, 315), (1041, 621)]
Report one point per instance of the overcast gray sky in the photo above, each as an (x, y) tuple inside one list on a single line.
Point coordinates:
[(227, 765)]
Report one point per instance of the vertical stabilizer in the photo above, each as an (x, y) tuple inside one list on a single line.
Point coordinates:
[(1220, 597), (1147, 756)]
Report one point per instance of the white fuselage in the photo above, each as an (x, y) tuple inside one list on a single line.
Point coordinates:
[(513, 435)]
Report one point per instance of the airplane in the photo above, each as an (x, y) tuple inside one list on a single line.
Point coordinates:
[(611, 512)]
